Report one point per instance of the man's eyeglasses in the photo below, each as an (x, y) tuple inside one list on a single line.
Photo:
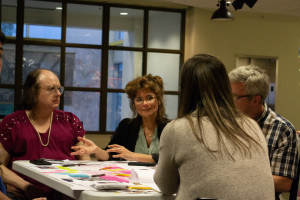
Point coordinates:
[(52, 89), (239, 97), (140, 100)]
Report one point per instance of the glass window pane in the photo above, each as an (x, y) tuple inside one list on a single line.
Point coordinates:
[(117, 109), (126, 27), (42, 20), (40, 57), (123, 67), (8, 65), (6, 102), (171, 104), (166, 66), (9, 17), (84, 24), (85, 105), (83, 67), (164, 30)]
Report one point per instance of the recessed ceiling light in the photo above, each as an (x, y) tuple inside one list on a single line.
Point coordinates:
[(58, 8), (123, 13)]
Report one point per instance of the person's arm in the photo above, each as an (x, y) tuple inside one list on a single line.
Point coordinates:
[(11, 178), (124, 153), (166, 175), (285, 159), (123, 132), (3, 196), (88, 147), (282, 184)]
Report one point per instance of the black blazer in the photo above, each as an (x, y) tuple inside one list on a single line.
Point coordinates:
[(127, 134)]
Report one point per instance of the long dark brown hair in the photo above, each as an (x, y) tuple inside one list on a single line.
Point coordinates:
[(30, 90), (205, 88)]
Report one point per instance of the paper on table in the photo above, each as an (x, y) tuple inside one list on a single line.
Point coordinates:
[(134, 178), (147, 177), (90, 168)]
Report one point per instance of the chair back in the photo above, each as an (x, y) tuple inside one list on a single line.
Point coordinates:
[(294, 187)]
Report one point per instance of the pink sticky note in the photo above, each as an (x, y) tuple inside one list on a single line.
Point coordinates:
[(115, 178)]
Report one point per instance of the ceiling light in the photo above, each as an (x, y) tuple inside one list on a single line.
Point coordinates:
[(58, 8), (222, 14), (123, 13), (250, 3), (238, 4)]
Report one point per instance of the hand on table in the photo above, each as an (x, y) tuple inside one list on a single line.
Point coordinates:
[(88, 147), (122, 152)]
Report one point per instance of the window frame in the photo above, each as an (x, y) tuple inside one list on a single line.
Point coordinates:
[(19, 41)]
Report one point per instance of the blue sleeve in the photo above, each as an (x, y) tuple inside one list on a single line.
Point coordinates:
[(2, 186)]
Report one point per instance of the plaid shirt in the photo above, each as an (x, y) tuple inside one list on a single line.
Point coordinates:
[(281, 137)]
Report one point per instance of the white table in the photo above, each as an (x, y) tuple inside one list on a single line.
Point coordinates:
[(30, 170)]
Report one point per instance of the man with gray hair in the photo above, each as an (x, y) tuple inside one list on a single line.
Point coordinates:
[(250, 88)]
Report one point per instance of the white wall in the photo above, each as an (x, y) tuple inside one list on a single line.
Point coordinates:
[(252, 34)]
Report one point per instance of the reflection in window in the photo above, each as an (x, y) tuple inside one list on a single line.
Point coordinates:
[(126, 30), (38, 31), (117, 109), (9, 63), (123, 66), (86, 106), (164, 30), (8, 17), (40, 57), (6, 102), (84, 24), (115, 76), (165, 65), (83, 67), (10, 30), (47, 25), (171, 104)]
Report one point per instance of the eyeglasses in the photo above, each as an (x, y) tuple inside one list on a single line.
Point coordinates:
[(53, 89), (140, 100), (239, 97)]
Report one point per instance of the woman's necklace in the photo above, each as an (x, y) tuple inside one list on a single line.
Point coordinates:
[(50, 125), (148, 135)]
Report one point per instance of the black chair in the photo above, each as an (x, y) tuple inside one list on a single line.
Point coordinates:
[(294, 187)]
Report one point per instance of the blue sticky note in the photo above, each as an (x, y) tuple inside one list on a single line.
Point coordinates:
[(78, 175)]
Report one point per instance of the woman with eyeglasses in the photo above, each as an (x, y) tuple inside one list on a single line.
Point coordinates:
[(38, 130), (135, 139)]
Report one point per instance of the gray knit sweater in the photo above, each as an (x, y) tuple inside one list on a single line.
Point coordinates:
[(187, 169)]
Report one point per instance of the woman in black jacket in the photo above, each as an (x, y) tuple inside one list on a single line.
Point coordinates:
[(135, 139)]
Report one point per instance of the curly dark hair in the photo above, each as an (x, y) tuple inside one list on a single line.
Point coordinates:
[(147, 82)]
